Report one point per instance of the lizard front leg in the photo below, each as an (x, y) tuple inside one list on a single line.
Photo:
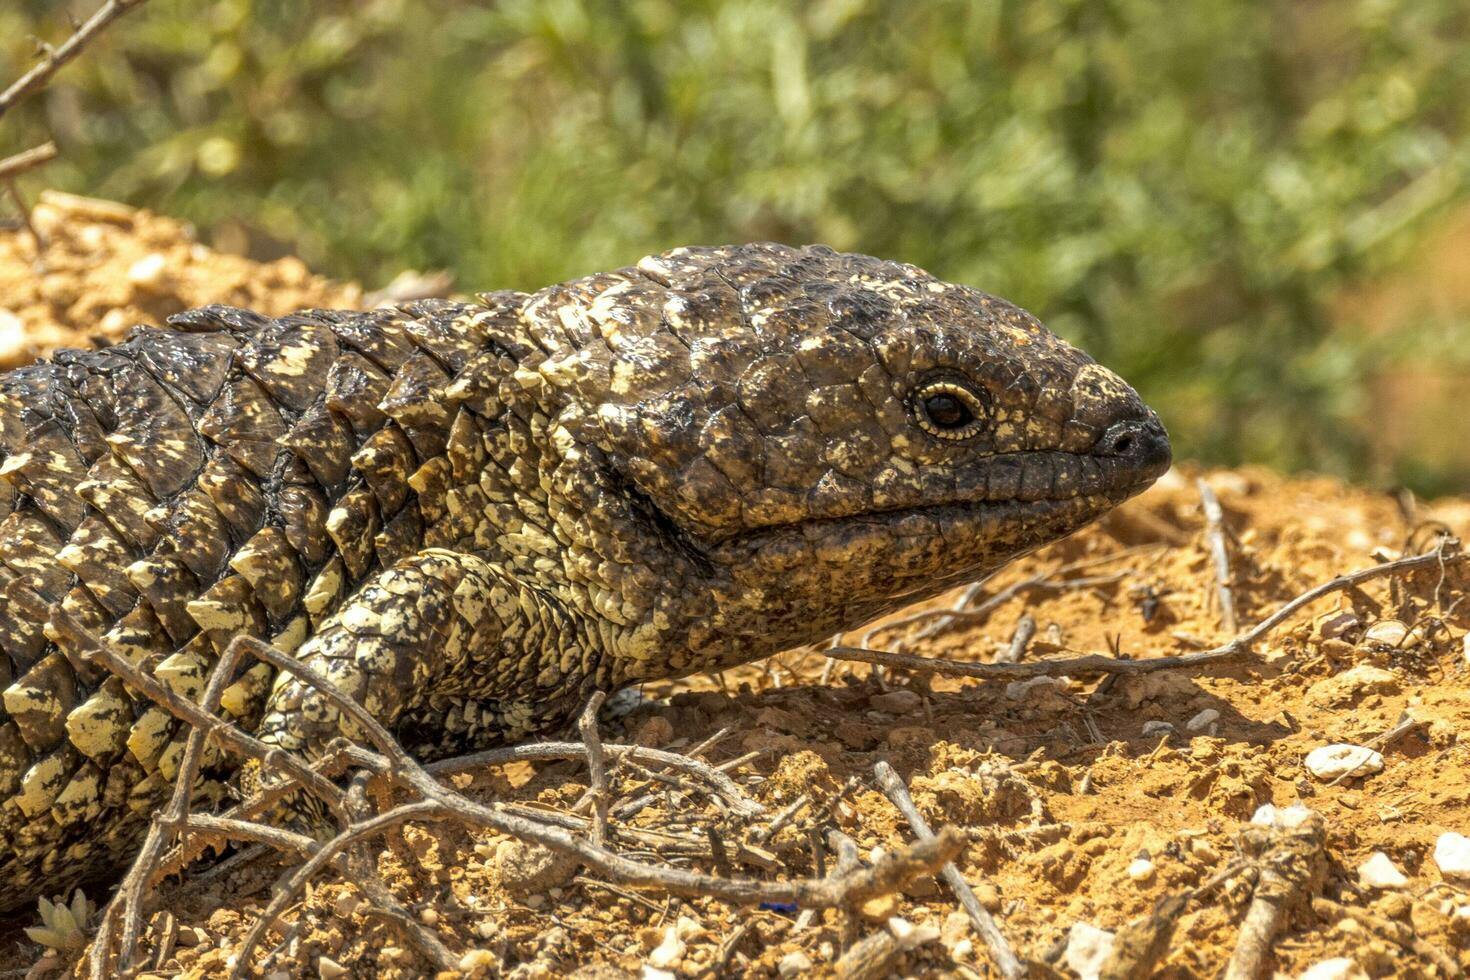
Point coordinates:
[(440, 634)]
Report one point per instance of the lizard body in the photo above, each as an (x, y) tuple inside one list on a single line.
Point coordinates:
[(471, 515)]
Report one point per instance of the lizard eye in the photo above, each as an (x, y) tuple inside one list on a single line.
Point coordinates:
[(948, 410)]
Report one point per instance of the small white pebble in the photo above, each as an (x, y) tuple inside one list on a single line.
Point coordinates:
[(429, 917), (669, 952), (1155, 728), (148, 272), (1331, 761), (1203, 720), (910, 936), (1340, 968), (794, 964), (1141, 869), (1286, 818), (13, 343), (478, 958), (1379, 872), (962, 950), (329, 969), (1452, 855), (654, 973), (1204, 850), (1387, 632), (1088, 949)]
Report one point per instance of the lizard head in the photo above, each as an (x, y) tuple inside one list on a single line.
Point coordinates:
[(820, 438)]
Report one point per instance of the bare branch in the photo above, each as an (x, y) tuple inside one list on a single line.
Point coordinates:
[(1220, 552), (1236, 649), (1000, 948), (18, 163), (53, 58)]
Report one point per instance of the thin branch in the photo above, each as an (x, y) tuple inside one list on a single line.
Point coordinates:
[(1000, 948), (53, 58), (1220, 552), (597, 791), (16, 164), (1236, 649)]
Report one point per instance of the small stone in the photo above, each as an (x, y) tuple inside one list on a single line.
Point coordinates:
[(524, 867), (1331, 761), (1379, 872), (1141, 869), (1204, 850), (961, 950), (1203, 720), (911, 936), (655, 732), (1352, 684), (1155, 728), (1452, 855), (1387, 632), (1334, 626), (149, 273), (668, 952), (794, 964), (654, 973), (1088, 949), (346, 904), (1282, 818), (879, 908), (899, 702), (329, 969), (1340, 968), (953, 931), (482, 960), (13, 343)]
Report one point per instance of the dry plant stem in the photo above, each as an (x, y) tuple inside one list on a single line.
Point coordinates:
[(1220, 554), (36, 79), (396, 764), (1000, 948), (170, 820), (718, 782), (1020, 640), (288, 889), (596, 766), (1289, 873), (16, 164), (869, 958), (1099, 664)]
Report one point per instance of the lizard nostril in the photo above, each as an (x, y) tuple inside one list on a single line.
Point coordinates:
[(1141, 441)]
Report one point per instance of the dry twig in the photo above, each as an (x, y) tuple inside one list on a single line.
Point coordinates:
[(1220, 553), (1291, 864), (1448, 553), (53, 58), (1000, 948), (388, 761)]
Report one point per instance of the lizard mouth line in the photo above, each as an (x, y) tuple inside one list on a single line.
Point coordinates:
[(958, 509)]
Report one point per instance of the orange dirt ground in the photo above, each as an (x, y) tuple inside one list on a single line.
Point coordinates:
[(1073, 813)]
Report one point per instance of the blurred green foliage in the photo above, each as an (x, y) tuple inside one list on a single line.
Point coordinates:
[(1179, 188)]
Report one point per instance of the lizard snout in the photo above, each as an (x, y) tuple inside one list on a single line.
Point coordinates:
[(1141, 443)]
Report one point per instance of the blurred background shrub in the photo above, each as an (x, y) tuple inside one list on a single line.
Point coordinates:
[(1250, 208)]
